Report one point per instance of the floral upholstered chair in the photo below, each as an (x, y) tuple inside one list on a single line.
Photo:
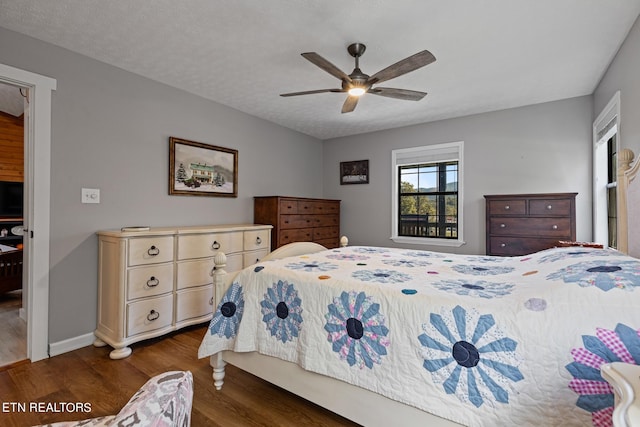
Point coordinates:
[(163, 401)]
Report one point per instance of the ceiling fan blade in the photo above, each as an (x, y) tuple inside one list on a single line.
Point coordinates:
[(405, 66), (350, 104), (311, 92), (389, 92), (326, 65)]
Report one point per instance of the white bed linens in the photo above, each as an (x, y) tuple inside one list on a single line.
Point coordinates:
[(482, 341)]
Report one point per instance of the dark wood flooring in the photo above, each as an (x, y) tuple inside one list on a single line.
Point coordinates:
[(88, 375)]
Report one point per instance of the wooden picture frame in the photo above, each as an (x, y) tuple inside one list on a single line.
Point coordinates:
[(197, 169), (354, 172)]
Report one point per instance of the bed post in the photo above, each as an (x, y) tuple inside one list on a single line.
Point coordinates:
[(344, 241), (626, 174), (219, 285)]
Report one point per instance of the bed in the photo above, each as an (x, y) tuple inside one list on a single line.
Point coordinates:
[(388, 336), (10, 269)]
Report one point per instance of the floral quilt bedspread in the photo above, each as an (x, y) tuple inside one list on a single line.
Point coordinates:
[(479, 340)]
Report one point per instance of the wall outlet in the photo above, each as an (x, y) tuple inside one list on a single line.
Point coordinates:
[(90, 195)]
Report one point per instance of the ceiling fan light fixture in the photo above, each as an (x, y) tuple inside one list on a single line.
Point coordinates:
[(356, 91)]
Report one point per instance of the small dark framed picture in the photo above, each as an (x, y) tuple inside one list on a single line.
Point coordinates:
[(355, 172), (197, 169)]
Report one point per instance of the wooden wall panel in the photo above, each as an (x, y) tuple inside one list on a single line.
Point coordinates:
[(11, 148)]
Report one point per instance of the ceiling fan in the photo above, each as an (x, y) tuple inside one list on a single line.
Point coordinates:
[(357, 83)]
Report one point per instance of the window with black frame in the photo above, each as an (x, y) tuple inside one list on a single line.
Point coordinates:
[(428, 200), (612, 204)]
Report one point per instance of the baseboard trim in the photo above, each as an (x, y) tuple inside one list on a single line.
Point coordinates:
[(71, 344)]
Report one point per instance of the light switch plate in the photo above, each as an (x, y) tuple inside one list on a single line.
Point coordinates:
[(90, 195)]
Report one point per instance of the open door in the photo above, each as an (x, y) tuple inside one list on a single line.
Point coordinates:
[(13, 298)]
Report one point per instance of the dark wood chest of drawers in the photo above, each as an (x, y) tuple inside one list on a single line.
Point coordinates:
[(297, 219), (520, 224)]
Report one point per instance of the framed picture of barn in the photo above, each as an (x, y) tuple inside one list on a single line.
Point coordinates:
[(198, 169)]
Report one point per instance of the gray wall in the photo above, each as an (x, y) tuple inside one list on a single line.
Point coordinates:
[(535, 149), (622, 75), (110, 130)]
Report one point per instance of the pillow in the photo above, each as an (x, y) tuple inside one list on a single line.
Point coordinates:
[(164, 401)]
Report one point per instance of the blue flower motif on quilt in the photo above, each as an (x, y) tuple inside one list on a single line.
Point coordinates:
[(405, 262), (478, 288), (423, 254), (282, 311), (481, 270), (348, 257), (470, 357), (487, 259), (356, 329), (381, 276), (605, 274), (369, 250), (596, 395), (577, 252), (228, 315), (311, 266)]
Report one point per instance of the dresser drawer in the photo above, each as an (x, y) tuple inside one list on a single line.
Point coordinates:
[(150, 250), (296, 221), (207, 245), (299, 235), (149, 281), (250, 258), (551, 207), (545, 227), (514, 246), (192, 303), (149, 314), (328, 243), (326, 220), (507, 207), (306, 206), (325, 208), (288, 206), (258, 239), (194, 273), (234, 263), (325, 233)]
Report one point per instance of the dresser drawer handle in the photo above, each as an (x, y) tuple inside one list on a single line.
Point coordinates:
[(549, 207), (153, 251), (555, 227), (503, 245), (507, 207), (153, 282), (258, 240), (503, 225), (153, 315), (215, 245), (211, 301)]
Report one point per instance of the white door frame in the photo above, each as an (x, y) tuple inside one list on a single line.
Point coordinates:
[(37, 196)]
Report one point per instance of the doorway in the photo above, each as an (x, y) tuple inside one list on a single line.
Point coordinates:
[(13, 334), (37, 168)]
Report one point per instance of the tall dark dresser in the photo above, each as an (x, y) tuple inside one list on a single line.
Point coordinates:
[(520, 224), (299, 219)]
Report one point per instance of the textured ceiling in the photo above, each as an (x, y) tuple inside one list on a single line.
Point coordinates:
[(491, 54)]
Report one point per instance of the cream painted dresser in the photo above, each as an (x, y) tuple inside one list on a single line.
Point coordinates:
[(156, 281)]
